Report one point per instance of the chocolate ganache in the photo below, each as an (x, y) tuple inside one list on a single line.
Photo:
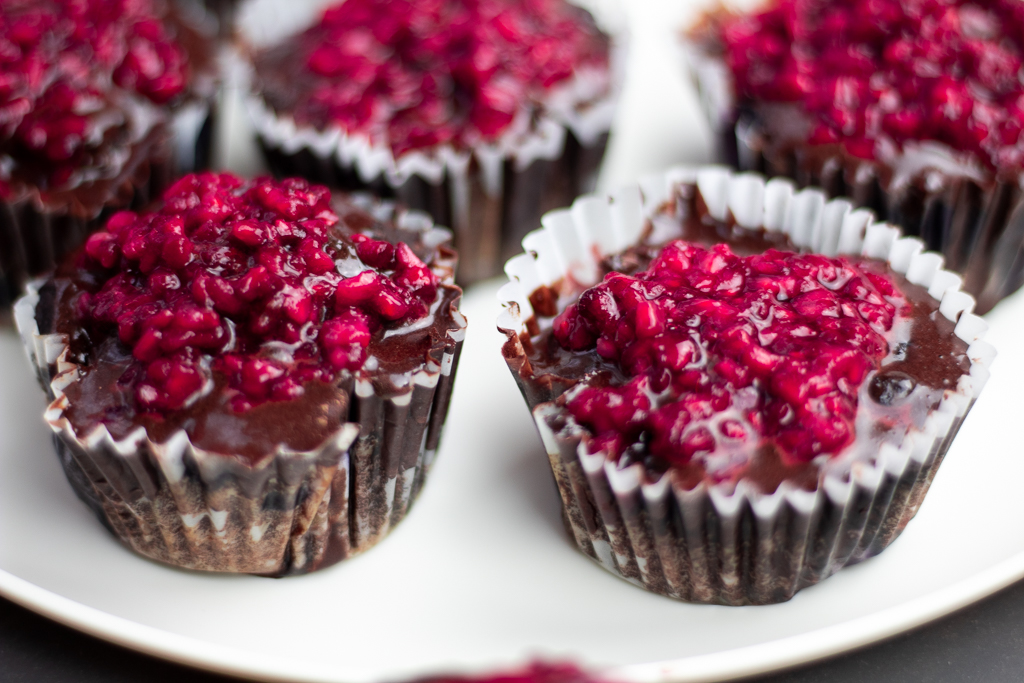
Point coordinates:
[(716, 353), (246, 313)]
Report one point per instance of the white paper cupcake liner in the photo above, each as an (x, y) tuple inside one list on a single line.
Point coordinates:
[(492, 194), (715, 544), (292, 513), (976, 221)]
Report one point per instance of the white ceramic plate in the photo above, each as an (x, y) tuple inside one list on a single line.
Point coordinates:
[(481, 575)]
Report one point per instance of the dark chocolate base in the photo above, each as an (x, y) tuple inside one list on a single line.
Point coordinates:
[(681, 546), (979, 229), (493, 231), (312, 512)]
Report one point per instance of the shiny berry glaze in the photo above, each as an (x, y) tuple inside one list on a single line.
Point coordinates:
[(66, 67), (724, 353), (415, 74), (535, 672), (891, 71), (243, 279)]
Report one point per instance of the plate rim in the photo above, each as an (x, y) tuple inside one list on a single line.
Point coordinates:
[(762, 658), (766, 657)]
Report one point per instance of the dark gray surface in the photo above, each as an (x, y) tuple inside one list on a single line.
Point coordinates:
[(984, 642)]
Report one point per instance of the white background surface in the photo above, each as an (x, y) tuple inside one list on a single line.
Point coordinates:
[(481, 574)]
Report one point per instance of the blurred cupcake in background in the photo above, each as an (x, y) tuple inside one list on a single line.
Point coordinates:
[(913, 109), (483, 113), (101, 103)]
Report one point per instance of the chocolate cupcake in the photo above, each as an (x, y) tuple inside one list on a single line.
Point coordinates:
[(484, 114), (102, 103), (911, 109), (757, 391), (253, 375)]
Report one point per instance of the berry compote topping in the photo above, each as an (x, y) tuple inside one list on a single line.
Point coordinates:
[(248, 280), (415, 74), (66, 67), (724, 354), (891, 70), (535, 672)]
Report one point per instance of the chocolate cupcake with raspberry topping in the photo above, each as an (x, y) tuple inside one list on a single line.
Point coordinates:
[(740, 389), (484, 114), (912, 109), (101, 104), (251, 376)]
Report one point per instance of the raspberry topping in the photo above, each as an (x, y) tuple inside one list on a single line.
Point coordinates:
[(416, 74), (890, 71), (250, 280), (535, 672), (723, 354), (65, 68)]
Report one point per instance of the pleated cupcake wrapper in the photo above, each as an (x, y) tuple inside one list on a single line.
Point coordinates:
[(220, 13), (193, 126), (722, 543), (490, 195), (974, 220), (292, 513), (33, 239)]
